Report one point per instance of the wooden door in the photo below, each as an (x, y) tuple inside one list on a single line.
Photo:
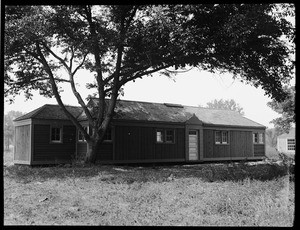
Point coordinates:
[(193, 145)]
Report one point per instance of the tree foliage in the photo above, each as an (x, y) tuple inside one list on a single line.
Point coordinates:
[(118, 44), (271, 137), (9, 127), (225, 104), (286, 109)]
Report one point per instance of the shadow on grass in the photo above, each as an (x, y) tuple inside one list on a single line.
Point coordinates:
[(157, 173)]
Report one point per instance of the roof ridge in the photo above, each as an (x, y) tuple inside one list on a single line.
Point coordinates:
[(160, 103), (64, 105)]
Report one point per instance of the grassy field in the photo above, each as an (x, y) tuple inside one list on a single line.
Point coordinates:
[(234, 194)]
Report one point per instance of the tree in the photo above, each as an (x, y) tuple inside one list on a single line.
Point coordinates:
[(225, 104), (119, 44), (287, 110), (271, 137), (9, 127)]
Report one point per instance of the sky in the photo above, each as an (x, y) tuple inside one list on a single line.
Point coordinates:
[(192, 88)]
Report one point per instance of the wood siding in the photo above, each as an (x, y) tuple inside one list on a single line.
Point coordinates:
[(139, 143), (240, 145), (44, 150), (22, 143), (104, 154), (259, 150)]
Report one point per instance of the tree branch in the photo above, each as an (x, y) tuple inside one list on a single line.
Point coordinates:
[(80, 65), (56, 93), (56, 56), (99, 77)]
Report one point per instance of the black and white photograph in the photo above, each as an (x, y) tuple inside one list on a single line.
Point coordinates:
[(149, 115)]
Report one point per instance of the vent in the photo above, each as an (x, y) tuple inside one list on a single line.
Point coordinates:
[(173, 105)]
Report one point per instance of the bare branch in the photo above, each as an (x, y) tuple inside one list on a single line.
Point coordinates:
[(99, 77), (56, 93), (80, 65), (56, 56), (71, 59)]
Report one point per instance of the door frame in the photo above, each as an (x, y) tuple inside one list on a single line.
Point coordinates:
[(197, 138)]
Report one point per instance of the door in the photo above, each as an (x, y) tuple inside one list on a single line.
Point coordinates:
[(193, 145)]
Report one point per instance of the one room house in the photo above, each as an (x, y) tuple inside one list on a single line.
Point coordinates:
[(140, 132), (286, 142)]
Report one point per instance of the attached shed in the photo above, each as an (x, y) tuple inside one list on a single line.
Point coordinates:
[(286, 142), (147, 132), (45, 136)]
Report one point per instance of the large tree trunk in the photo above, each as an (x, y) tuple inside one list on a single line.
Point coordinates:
[(93, 147)]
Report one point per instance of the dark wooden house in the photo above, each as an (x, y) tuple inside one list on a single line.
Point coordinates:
[(140, 132)]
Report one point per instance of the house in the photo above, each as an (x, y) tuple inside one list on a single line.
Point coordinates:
[(286, 142), (140, 132)]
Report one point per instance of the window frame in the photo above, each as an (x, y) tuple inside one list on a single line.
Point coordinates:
[(87, 128), (60, 134), (164, 135), (220, 137), (173, 136), (290, 145), (105, 136), (258, 138)]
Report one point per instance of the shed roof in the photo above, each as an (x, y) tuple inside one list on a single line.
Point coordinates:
[(288, 135), (164, 112), (148, 111), (51, 112)]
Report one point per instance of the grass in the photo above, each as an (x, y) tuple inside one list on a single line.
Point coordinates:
[(234, 194)]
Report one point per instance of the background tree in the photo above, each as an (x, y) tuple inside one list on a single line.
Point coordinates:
[(286, 109), (225, 104), (271, 137), (118, 44), (9, 133)]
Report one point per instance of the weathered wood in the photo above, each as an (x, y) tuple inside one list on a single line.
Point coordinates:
[(44, 150), (138, 143), (22, 143), (240, 145)]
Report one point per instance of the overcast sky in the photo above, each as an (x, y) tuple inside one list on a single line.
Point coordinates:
[(191, 88)]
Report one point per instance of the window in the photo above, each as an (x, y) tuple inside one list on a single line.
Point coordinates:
[(221, 137), (290, 144), (218, 137), (224, 137), (169, 136), (165, 136), (80, 134), (107, 136), (56, 134), (159, 136), (258, 138)]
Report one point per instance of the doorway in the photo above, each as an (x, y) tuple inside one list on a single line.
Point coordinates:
[(193, 144)]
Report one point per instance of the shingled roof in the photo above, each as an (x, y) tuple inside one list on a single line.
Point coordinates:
[(51, 112), (148, 111)]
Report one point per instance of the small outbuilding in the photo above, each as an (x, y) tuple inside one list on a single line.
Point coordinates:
[(286, 142), (140, 132)]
